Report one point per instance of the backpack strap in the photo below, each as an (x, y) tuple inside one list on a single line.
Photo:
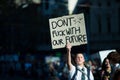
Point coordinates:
[(88, 73)]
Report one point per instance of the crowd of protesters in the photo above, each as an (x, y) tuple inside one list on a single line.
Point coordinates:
[(34, 67), (30, 67)]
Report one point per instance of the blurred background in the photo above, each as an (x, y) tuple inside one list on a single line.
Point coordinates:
[(25, 43)]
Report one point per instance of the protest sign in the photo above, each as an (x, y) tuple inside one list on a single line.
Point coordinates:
[(69, 29)]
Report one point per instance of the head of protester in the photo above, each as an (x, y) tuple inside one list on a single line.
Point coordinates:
[(77, 71), (106, 70), (114, 58), (106, 64), (79, 59)]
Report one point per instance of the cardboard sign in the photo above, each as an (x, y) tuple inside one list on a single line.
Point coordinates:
[(68, 29)]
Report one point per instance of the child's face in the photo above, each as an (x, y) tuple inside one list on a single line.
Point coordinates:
[(79, 59)]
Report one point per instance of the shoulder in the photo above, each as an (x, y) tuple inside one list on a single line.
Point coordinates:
[(72, 71), (72, 68)]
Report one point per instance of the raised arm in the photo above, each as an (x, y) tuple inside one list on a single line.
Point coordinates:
[(69, 63)]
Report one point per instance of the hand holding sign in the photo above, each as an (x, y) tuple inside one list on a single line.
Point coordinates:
[(69, 29), (68, 46)]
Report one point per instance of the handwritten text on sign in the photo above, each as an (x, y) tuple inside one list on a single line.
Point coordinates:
[(68, 29)]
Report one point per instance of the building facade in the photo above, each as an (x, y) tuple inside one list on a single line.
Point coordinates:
[(104, 24), (26, 26)]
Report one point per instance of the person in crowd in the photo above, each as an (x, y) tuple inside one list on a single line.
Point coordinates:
[(52, 72), (116, 75), (77, 71), (92, 65), (106, 72), (114, 58)]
